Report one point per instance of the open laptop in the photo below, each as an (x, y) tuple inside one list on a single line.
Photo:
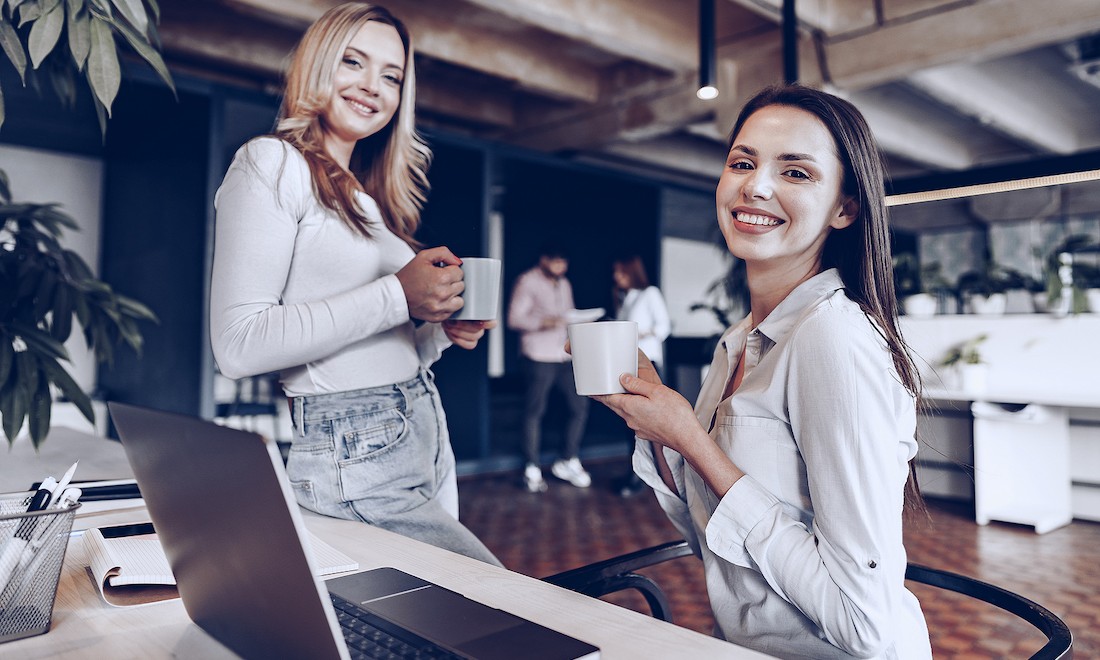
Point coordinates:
[(223, 508)]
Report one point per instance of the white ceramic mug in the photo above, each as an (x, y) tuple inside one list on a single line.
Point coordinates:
[(481, 298), (603, 351)]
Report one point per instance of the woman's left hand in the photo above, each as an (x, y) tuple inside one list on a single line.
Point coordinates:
[(466, 333), (653, 411)]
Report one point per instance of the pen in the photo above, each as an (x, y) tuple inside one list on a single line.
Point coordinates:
[(41, 498), (65, 479), (14, 547)]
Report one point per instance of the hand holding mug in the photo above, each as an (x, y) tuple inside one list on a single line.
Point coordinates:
[(432, 282)]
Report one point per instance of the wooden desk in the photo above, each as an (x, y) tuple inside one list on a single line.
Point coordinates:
[(86, 627)]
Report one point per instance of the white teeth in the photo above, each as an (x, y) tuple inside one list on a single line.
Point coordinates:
[(359, 107), (753, 219)]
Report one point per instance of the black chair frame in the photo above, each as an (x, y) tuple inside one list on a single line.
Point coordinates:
[(618, 573)]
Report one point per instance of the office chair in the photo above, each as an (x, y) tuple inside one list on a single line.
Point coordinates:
[(618, 573), (254, 399)]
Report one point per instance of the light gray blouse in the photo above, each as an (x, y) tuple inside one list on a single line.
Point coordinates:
[(803, 556)]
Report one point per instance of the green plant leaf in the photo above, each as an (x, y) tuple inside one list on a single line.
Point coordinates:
[(13, 48), (69, 389), (100, 8), (104, 74), (134, 12), (7, 356), (39, 341), (141, 44), (61, 78), (5, 187), (38, 420), (44, 34), (15, 402), (80, 34), (29, 10), (136, 309), (61, 325)]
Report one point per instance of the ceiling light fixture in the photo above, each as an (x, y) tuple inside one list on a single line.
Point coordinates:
[(707, 87)]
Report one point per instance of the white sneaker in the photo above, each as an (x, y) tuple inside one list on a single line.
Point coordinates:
[(572, 471), (532, 477)]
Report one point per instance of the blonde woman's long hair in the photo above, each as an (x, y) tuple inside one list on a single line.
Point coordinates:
[(392, 165)]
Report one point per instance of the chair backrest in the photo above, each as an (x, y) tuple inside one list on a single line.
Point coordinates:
[(618, 573), (1059, 638)]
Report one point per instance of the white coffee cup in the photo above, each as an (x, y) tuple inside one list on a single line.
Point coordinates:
[(603, 351), (481, 298)]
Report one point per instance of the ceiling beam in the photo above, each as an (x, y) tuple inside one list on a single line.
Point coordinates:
[(967, 32), (536, 62), (650, 31)]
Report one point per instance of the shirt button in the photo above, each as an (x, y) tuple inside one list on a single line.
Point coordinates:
[(872, 564)]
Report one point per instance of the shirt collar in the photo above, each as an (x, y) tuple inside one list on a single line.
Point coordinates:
[(790, 309)]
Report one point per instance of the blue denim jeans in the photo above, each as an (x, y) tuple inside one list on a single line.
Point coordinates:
[(383, 456)]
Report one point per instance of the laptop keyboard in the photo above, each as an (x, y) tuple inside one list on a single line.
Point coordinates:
[(370, 636)]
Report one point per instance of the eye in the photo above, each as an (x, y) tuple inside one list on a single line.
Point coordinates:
[(740, 164), (352, 62), (796, 173), (392, 79)]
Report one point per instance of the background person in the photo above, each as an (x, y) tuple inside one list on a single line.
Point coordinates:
[(790, 475), (316, 275), (636, 300), (541, 302)]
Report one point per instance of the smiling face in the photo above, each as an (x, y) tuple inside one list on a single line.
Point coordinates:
[(366, 88), (780, 193)]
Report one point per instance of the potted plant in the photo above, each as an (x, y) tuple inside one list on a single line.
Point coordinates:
[(918, 286), (43, 286), (966, 367), (982, 291), (1067, 276)]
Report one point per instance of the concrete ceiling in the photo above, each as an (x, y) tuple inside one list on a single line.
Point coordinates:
[(947, 85)]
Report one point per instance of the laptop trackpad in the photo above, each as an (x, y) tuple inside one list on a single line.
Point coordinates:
[(443, 616)]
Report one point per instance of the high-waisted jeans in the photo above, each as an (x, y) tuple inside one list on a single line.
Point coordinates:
[(383, 456)]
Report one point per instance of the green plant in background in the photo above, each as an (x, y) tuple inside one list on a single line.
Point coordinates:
[(43, 286), (1084, 275), (967, 352), (728, 294), (986, 280), (911, 277), (66, 38)]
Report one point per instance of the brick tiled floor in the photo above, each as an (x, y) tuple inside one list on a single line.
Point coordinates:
[(566, 527)]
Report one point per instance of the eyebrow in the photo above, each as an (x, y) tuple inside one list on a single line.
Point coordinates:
[(786, 157), (391, 65)]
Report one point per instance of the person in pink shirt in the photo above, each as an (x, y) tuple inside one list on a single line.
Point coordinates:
[(541, 301)]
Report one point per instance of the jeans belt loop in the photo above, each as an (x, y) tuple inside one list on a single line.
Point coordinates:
[(299, 414)]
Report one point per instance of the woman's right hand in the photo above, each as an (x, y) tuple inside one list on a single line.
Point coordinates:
[(432, 282)]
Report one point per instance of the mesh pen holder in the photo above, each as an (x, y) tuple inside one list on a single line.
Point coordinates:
[(32, 550)]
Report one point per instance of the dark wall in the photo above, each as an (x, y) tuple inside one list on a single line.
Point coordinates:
[(598, 217), (454, 217), (154, 233)]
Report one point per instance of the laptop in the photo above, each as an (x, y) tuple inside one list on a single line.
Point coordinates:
[(223, 508)]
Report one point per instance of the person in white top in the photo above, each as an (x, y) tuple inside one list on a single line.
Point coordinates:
[(790, 476), (636, 300), (317, 276)]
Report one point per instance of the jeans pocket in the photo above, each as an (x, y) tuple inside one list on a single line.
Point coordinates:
[(382, 458)]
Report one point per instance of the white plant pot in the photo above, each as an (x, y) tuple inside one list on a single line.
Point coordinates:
[(919, 305), (973, 377), (1092, 297), (994, 304)]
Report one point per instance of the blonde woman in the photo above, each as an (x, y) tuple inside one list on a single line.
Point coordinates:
[(317, 275)]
